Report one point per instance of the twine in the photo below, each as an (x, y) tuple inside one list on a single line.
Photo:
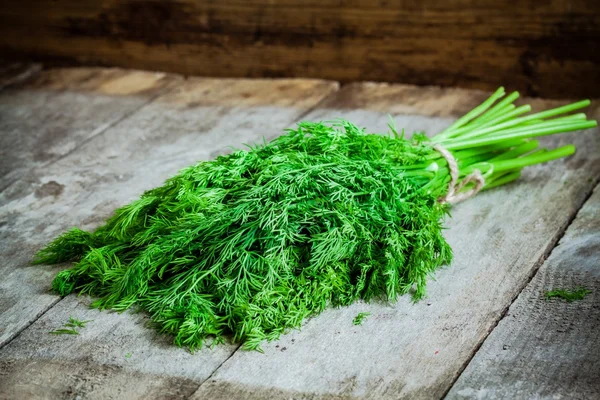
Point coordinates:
[(454, 187)]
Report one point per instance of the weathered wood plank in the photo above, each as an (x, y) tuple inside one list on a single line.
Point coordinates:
[(42, 120), (543, 48), (194, 121), (50, 115), (547, 348), (416, 350), (116, 356)]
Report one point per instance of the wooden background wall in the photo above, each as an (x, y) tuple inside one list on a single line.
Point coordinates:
[(546, 48)]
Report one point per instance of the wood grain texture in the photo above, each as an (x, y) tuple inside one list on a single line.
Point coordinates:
[(547, 348), (541, 48), (195, 120), (411, 350), (54, 112), (116, 356), (43, 120)]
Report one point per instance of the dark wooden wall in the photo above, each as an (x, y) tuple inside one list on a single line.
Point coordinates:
[(547, 48)]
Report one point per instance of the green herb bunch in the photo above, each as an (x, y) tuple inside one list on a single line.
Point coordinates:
[(252, 243)]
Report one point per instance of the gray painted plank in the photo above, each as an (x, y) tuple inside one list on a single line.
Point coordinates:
[(547, 348), (116, 356), (42, 120), (416, 350), (52, 113), (194, 121)]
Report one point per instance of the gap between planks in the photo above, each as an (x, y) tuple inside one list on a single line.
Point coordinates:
[(293, 95), (546, 349), (104, 128), (534, 272), (455, 102), (302, 116), (475, 350), (34, 70), (166, 91)]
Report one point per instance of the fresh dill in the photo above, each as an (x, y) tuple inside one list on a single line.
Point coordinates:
[(75, 323), (64, 331), (250, 244), (360, 318), (568, 295), (71, 324)]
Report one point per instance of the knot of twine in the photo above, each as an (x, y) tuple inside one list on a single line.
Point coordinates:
[(454, 187)]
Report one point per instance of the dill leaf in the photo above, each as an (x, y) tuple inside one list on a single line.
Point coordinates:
[(64, 331), (360, 318), (568, 295)]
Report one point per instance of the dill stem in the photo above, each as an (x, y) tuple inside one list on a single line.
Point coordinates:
[(521, 162), (475, 112), (520, 133), (505, 105), (517, 151), (502, 180), (517, 121), (467, 131)]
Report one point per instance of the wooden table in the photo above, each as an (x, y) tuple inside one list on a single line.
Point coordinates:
[(77, 143)]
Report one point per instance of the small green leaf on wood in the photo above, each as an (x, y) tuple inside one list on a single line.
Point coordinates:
[(64, 331), (72, 324), (360, 318), (568, 295), (76, 323)]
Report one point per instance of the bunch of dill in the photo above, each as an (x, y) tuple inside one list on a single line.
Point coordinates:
[(255, 241), (252, 243)]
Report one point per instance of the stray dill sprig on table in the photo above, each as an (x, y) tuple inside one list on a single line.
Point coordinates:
[(360, 318), (71, 324), (63, 331), (252, 243), (568, 295), (76, 323)]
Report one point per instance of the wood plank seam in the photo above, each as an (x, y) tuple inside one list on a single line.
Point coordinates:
[(534, 272), (33, 321), (235, 377), (165, 91), (547, 348), (213, 373)]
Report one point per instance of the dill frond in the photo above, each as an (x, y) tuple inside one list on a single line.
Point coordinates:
[(568, 295), (71, 325), (360, 318)]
